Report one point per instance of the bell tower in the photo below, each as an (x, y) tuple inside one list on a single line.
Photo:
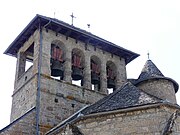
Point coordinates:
[(69, 69)]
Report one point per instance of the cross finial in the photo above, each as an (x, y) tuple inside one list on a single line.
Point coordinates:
[(148, 55), (88, 26), (72, 16), (54, 14)]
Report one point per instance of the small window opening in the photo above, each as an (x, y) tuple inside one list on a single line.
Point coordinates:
[(56, 100)]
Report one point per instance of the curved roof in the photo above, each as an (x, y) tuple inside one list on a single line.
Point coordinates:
[(150, 71), (78, 34)]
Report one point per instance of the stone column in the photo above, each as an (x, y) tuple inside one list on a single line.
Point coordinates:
[(46, 55), (103, 78), (87, 72), (36, 52), (68, 65), (121, 73)]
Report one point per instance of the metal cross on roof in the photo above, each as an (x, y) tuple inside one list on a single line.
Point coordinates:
[(148, 55), (72, 18)]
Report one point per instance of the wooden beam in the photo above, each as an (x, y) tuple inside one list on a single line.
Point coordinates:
[(67, 34)]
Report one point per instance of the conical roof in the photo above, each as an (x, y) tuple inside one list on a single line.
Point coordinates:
[(150, 71)]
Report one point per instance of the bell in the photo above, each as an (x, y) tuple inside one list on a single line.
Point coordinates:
[(95, 78), (110, 83), (77, 73), (57, 68)]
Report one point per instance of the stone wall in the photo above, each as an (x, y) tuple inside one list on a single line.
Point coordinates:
[(140, 122), (176, 127), (24, 99), (25, 86), (161, 88), (59, 100), (24, 125)]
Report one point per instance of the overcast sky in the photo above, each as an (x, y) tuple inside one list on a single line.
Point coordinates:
[(137, 25)]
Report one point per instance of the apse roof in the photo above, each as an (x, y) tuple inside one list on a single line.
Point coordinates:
[(125, 97), (150, 71), (69, 31)]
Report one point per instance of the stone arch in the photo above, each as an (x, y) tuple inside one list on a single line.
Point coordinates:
[(59, 44), (78, 62), (57, 58), (79, 53), (95, 72), (111, 72)]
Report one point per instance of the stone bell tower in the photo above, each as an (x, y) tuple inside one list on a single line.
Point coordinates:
[(62, 56)]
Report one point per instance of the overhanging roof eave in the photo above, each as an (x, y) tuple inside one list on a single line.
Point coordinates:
[(20, 35), (45, 20)]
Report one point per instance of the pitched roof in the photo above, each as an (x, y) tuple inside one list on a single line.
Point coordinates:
[(150, 71), (78, 34), (127, 96)]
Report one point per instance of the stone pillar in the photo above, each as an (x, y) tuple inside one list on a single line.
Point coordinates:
[(46, 55), (68, 65), (20, 65), (36, 52), (103, 78), (87, 73), (121, 77)]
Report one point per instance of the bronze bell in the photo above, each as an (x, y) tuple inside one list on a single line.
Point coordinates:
[(95, 78), (57, 68), (111, 83), (77, 73)]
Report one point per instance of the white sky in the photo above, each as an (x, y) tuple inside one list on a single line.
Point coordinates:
[(137, 25)]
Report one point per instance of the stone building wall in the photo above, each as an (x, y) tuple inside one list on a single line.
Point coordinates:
[(150, 121), (24, 99), (25, 125), (176, 127), (25, 86), (59, 100), (161, 88)]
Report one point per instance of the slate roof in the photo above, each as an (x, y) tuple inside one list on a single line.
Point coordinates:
[(149, 72), (127, 96), (68, 30)]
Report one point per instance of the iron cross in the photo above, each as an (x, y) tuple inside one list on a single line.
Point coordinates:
[(148, 55), (72, 16)]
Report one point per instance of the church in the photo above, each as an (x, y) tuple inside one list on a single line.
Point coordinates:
[(69, 81)]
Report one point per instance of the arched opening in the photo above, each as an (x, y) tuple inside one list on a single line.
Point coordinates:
[(77, 67), (57, 60), (111, 76), (95, 73)]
